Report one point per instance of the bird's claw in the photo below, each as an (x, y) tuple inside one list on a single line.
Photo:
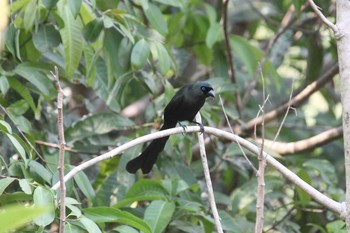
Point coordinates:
[(201, 127), (183, 127)]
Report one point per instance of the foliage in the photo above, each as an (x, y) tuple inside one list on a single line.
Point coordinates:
[(110, 55)]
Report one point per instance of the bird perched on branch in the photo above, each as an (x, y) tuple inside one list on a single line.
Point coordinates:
[(182, 107)]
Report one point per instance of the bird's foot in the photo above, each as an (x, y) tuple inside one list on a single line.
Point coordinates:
[(200, 126), (183, 127)]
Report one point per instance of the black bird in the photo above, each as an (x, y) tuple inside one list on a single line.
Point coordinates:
[(182, 107)]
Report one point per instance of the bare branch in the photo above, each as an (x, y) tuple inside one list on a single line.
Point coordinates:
[(239, 145), (295, 101), (284, 148), (231, 70), (207, 178), (315, 194), (331, 25), (62, 145)]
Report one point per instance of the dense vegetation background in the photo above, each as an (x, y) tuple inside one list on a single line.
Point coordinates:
[(119, 63)]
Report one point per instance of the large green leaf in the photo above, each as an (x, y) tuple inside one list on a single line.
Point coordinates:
[(97, 124), (72, 41), (33, 75), (46, 38), (93, 30), (4, 183), (89, 225), (140, 54), (164, 59), (30, 15), (155, 17), (108, 214), (40, 170), (19, 148), (144, 190), (44, 198), (15, 216), (85, 185), (158, 215), (24, 92)]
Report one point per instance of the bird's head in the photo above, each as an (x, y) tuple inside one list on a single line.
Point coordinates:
[(206, 89)]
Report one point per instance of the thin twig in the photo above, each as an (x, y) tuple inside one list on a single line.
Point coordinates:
[(315, 194), (230, 61), (331, 25), (295, 101), (206, 171), (285, 115), (259, 224), (239, 145), (54, 145), (62, 145)]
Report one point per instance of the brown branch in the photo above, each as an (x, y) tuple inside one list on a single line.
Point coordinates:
[(259, 221), (285, 148), (287, 21), (62, 145), (54, 145), (295, 101), (231, 70)]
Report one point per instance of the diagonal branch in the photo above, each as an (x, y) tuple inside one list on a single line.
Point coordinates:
[(295, 101)]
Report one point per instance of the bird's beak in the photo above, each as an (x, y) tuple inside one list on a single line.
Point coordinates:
[(211, 93)]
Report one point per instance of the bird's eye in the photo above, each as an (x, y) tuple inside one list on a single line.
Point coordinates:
[(203, 88)]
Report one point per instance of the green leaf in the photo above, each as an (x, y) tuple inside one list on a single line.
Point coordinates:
[(337, 226), (85, 185), (44, 198), (324, 167), (40, 170), (144, 190), (124, 53), (4, 126), (33, 74), (46, 38), (49, 4), (89, 225), (158, 215), (228, 222), (93, 30), (214, 35), (125, 229), (26, 186), (4, 85), (4, 183), (72, 42), (163, 58), (140, 54), (248, 54), (156, 19), (97, 124), (29, 15), (23, 91), (107, 214), (74, 6), (15, 216), (18, 108), (18, 147)]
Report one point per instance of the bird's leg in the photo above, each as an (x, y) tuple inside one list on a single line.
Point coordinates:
[(183, 126), (200, 126)]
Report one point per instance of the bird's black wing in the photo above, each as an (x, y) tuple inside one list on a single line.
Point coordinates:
[(171, 111)]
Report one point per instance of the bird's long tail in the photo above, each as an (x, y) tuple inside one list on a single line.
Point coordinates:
[(149, 156)]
